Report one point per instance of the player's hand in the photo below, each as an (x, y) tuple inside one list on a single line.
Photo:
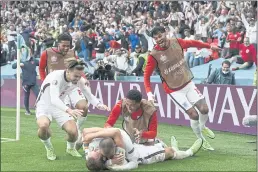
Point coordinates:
[(75, 112), (151, 97), (103, 107), (137, 135), (118, 159)]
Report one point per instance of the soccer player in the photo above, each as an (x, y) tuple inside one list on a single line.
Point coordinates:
[(50, 104), (135, 153), (139, 118), (177, 77), (54, 59)]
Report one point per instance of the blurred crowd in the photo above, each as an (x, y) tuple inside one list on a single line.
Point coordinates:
[(113, 37)]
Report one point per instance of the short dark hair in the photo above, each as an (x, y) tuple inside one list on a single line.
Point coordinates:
[(157, 29), (95, 164), (72, 63), (64, 37), (226, 62), (107, 145), (134, 95)]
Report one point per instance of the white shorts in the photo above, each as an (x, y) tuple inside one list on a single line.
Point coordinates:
[(150, 154), (187, 96), (74, 97), (50, 112)]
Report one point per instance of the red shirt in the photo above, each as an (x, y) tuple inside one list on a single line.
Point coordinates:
[(151, 63), (43, 64), (248, 53), (116, 111), (234, 44)]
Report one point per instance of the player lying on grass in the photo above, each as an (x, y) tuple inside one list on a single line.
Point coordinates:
[(50, 104), (139, 118), (114, 139)]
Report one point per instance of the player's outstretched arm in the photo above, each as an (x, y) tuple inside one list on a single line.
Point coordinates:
[(129, 166), (107, 132), (90, 97)]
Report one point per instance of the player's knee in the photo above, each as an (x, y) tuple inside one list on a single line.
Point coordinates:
[(72, 132), (204, 109), (193, 114), (83, 105), (43, 125)]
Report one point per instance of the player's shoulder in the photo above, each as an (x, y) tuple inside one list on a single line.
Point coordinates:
[(56, 75)]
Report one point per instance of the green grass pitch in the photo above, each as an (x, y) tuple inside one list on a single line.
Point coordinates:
[(232, 152)]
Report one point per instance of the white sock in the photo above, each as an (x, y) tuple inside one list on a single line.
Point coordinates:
[(80, 122), (181, 154), (196, 128), (47, 143), (70, 145), (203, 118)]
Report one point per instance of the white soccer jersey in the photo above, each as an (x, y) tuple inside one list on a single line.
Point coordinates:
[(130, 152), (55, 88)]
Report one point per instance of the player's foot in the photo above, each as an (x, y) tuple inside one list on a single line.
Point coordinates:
[(196, 146), (27, 113), (73, 152), (50, 154), (206, 131), (206, 146), (174, 143), (78, 143)]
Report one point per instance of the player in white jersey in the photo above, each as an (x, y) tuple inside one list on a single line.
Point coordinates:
[(134, 153), (50, 104)]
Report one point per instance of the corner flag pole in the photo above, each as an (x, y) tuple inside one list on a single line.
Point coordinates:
[(18, 89)]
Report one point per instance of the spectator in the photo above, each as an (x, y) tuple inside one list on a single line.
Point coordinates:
[(234, 39), (247, 57), (222, 75)]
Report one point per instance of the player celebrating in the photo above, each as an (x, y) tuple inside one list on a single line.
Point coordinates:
[(54, 59), (139, 118), (50, 104), (177, 77), (135, 153)]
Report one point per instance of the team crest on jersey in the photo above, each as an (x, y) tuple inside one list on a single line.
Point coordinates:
[(247, 50), (54, 82), (53, 58), (163, 57)]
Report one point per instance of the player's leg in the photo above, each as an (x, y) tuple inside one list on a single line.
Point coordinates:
[(67, 123), (43, 122), (71, 129), (181, 100), (174, 153), (26, 90), (78, 101), (198, 100)]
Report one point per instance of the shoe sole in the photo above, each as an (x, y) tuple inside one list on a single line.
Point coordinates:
[(207, 149), (51, 159), (74, 156), (175, 141), (198, 149), (209, 136)]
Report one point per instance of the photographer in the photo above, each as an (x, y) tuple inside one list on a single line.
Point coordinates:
[(104, 71)]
